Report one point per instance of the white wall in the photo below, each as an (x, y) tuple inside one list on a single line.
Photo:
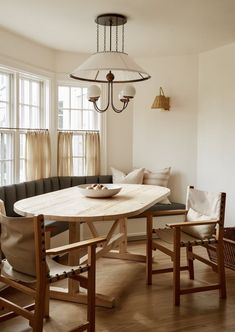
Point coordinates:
[(162, 139), (26, 54), (120, 136), (216, 124)]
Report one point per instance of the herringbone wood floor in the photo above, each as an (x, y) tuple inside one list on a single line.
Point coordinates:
[(140, 308)]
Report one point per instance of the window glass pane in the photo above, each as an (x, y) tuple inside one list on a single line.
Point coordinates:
[(6, 141), (76, 97), (86, 103), (22, 145), (6, 158), (24, 116), (24, 91), (63, 94), (6, 169), (35, 93), (78, 146), (29, 117), (64, 119), (90, 120), (4, 100), (22, 170), (34, 113), (76, 119), (4, 87), (4, 114), (78, 166)]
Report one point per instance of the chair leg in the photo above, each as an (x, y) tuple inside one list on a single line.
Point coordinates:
[(39, 311), (221, 269), (176, 266), (189, 251), (149, 231), (37, 324), (47, 302), (91, 289)]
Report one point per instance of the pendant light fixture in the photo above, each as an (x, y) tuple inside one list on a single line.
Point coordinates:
[(110, 64)]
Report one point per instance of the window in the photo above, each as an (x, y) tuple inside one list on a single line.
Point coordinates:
[(6, 138), (76, 113), (22, 106)]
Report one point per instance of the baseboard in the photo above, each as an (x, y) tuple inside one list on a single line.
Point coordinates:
[(139, 237), (136, 237)]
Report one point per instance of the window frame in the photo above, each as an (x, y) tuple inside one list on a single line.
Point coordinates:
[(76, 132), (13, 127)]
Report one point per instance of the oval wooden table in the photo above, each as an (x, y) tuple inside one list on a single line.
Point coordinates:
[(69, 205)]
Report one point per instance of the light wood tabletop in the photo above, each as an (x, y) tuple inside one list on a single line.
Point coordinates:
[(70, 205)]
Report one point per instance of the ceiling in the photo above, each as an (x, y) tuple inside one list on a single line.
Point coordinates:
[(154, 27)]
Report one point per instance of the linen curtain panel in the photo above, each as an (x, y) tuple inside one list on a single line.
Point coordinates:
[(38, 155), (92, 153), (65, 154)]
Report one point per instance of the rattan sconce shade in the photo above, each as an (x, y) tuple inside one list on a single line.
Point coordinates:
[(161, 102)]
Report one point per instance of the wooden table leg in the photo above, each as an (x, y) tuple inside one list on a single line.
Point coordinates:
[(74, 258), (117, 244), (123, 230), (149, 228)]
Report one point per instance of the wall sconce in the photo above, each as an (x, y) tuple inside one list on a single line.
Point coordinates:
[(161, 101)]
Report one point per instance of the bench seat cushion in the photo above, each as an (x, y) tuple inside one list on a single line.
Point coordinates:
[(164, 207)]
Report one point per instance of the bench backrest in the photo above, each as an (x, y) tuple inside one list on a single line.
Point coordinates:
[(15, 192)]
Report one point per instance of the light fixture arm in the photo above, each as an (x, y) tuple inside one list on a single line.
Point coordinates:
[(94, 100), (125, 100)]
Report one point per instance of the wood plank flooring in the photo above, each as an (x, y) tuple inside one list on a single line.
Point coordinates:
[(141, 308)]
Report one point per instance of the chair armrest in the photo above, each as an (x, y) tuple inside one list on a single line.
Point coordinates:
[(192, 223), (75, 246)]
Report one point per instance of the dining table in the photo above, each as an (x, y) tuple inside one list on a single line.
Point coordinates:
[(72, 206)]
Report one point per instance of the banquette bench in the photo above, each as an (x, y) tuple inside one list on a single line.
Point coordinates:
[(15, 192)]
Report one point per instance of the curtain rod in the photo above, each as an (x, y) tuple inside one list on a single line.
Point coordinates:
[(18, 128), (79, 130), (72, 130)]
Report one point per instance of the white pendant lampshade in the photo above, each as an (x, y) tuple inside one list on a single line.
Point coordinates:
[(96, 67)]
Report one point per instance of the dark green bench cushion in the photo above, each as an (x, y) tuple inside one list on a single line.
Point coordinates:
[(164, 207)]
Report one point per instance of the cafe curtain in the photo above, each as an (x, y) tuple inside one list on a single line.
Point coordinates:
[(65, 154), (38, 155), (92, 153)]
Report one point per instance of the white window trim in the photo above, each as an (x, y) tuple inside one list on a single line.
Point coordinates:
[(16, 75)]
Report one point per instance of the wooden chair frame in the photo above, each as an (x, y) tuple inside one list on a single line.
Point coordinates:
[(40, 291), (175, 254)]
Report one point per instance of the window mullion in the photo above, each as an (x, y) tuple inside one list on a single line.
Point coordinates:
[(70, 106), (16, 140), (42, 105)]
